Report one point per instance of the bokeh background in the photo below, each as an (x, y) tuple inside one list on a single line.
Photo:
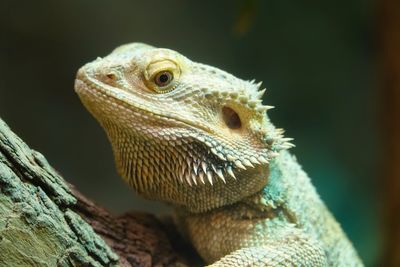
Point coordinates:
[(318, 59)]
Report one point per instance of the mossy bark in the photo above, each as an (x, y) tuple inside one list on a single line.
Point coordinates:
[(46, 222)]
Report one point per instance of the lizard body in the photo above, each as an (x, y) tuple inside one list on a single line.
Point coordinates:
[(199, 138)]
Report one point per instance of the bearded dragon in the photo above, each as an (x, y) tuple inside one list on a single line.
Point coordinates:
[(199, 138)]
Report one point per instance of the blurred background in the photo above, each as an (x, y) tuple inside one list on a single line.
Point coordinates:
[(331, 69)]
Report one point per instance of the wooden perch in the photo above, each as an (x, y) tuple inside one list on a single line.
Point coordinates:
[(389, 15), (46, 222)]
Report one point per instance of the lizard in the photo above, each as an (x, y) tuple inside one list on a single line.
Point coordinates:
[(198, 138)]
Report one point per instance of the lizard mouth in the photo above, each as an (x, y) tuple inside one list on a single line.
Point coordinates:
[(85, 85)]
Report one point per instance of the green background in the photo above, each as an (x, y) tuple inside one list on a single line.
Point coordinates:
[(316, 58)]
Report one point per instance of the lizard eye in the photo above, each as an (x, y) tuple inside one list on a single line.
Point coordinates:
[(163, 78)]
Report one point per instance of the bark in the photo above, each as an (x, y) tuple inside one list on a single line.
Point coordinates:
[(390, 63), (46, 222)]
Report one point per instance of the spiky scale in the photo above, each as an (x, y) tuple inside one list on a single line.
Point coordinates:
[(209, 177), (261, 93), (230, 172), (221, 156), (220, 175), (239, 164), (188, 179), (201, 176), (180, 160), (195, 167), (287, 139), (189, 161), (194, 179), (264, 108), (233, 95), (247, 163), (273, 154), (287, 145), (280, 130), (230, 157), (252, 103), (204, 166), (262, 159), (243, 99), (208, 144), (254, 160), (182, 173)]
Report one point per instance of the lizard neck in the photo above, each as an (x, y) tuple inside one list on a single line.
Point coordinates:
[(158, 170)]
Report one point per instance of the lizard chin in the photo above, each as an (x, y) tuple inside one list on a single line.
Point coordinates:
[(195, 181), (195, 173)]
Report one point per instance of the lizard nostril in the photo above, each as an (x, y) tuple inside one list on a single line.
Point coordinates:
[(111, 76), (231, 118)]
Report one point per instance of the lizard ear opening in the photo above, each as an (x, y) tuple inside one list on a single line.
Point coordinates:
[(231, 118)]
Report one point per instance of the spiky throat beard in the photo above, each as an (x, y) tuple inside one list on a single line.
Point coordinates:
[(181, 170), (168, 160)]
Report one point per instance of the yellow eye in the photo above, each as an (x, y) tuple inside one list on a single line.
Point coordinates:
[(163, 78)]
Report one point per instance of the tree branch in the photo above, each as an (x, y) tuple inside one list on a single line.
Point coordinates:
[(46, 222)]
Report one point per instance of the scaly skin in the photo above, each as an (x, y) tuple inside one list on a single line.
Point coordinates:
[(199, 138)]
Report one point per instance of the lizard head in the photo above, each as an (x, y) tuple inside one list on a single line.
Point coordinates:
[(181, 131)]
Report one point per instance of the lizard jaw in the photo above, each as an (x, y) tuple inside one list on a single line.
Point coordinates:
[(88, 89), (85, 85)]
